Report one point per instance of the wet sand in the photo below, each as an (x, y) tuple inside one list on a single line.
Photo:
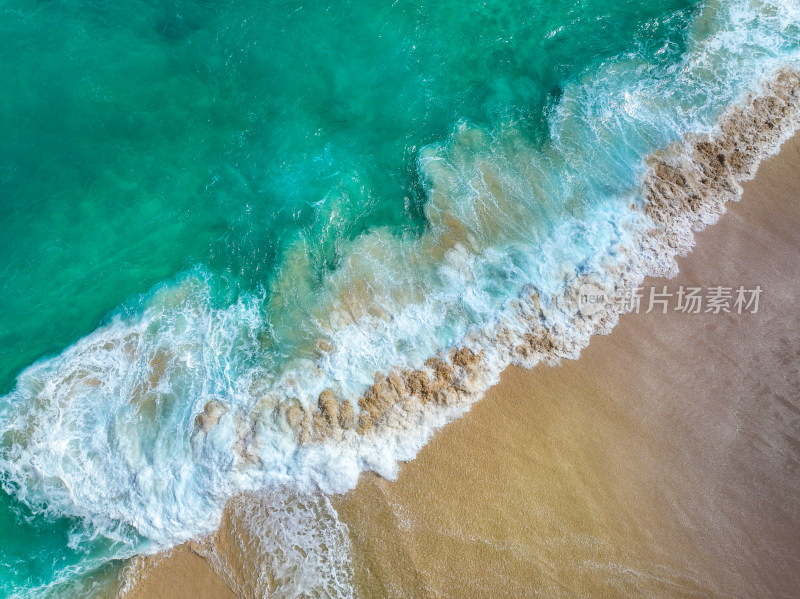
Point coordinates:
[(177, 573), (665, 462)]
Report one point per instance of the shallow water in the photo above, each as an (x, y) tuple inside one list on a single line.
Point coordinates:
[(220, 208)]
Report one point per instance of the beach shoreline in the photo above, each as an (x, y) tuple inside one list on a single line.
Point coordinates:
[(663, 462), (258, 260), (650, 464)]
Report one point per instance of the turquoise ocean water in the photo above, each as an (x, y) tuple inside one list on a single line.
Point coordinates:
[(248, 202)]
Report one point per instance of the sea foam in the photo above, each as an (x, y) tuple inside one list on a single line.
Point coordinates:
[(146, 427)]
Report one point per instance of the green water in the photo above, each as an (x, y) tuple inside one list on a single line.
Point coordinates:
[(142, 139)]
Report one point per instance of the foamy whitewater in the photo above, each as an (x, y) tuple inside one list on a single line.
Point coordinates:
[(145, 428)]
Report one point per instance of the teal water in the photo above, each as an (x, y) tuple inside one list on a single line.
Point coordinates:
[(195, 190), (143, 139)]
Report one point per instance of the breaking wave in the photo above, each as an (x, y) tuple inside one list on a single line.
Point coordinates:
[(145, 428)]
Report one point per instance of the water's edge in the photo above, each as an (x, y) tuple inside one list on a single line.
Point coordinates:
[(686, 188)]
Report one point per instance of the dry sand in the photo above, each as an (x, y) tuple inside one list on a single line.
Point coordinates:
[(665, 462)]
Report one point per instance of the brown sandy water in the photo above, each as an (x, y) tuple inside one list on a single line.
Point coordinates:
[(663, 463)]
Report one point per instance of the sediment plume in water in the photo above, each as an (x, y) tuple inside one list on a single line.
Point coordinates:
[(210, 385), (686, 187)]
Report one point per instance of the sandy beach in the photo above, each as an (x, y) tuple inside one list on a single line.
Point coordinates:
[(665, 462), (311, 301)]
